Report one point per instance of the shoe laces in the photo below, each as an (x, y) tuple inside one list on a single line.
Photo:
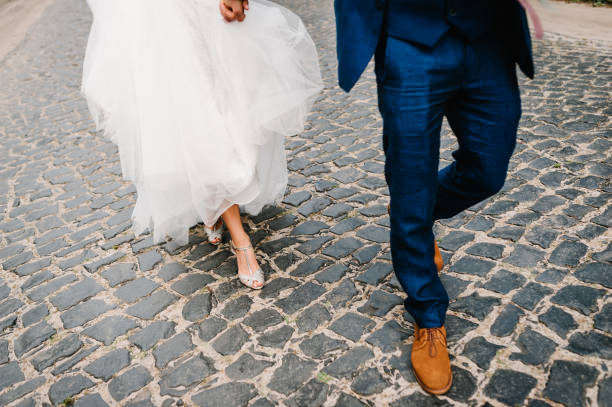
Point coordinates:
[(431, 334)]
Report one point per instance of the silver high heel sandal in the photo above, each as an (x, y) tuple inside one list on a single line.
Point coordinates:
[(254, 276), (215, 235)]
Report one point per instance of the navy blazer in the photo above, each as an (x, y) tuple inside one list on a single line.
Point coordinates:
[(359, 24)]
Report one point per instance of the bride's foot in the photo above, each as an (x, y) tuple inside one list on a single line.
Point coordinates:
[(215, 233), (249, 272)]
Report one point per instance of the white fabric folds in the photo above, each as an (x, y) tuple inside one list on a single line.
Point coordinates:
[(198, 108)]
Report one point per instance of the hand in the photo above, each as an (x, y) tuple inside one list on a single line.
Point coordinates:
[(233, 9)]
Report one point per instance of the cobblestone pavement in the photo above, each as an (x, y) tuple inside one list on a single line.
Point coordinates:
[(91, 314)]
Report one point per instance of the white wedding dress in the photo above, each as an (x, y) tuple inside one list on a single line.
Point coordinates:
[(199, 108)]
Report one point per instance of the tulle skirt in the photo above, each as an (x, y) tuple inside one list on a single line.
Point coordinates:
[(198, 108)]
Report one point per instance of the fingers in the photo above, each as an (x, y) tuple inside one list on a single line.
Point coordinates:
[(233, 9), (226, 12), (239, 11)]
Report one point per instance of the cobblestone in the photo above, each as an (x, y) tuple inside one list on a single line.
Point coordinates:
[(108, 329), (129, 382), (246, 367), (591, 344), (233, 394), (314, 393), (230, 341), (87, 309), (84, 312), (172, 349), (109, 364), (65, 347), (276, 338), (559, 321), (581, 298), (603, 320), (34, 336), (134, 290), (506, 321), (567, 382), (197, 308), (536, 348), (510, 387), (152, 305), (292, 373), (10, 374), (184, 376)]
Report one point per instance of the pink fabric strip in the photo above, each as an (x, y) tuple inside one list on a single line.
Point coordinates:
[(537, 24)]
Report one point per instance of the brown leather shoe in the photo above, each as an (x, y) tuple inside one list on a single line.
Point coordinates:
[(437, 256), (430, 361)]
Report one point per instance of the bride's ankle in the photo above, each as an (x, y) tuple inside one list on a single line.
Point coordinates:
[(241, 241)]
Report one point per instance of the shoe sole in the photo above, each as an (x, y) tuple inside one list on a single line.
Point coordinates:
[(436, 392)]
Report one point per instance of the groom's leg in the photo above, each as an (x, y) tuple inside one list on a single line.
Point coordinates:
[(414, 86), (484, 116)]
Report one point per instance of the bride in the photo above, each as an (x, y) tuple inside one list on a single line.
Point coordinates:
[(199, 109)]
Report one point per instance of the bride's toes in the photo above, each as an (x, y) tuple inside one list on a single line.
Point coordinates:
[(254, 280), (257, 284), (215, 233)]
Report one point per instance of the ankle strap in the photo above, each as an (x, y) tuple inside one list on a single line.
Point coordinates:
[(249, 247)]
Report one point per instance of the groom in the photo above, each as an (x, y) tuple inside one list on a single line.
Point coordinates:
[(435, 59)]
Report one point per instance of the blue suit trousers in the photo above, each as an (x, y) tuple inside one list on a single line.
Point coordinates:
[(473, 85)]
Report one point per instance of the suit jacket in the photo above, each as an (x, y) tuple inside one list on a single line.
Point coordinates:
[(360, 23)]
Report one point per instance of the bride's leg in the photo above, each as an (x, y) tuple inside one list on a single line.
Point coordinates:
[(240, 240)]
